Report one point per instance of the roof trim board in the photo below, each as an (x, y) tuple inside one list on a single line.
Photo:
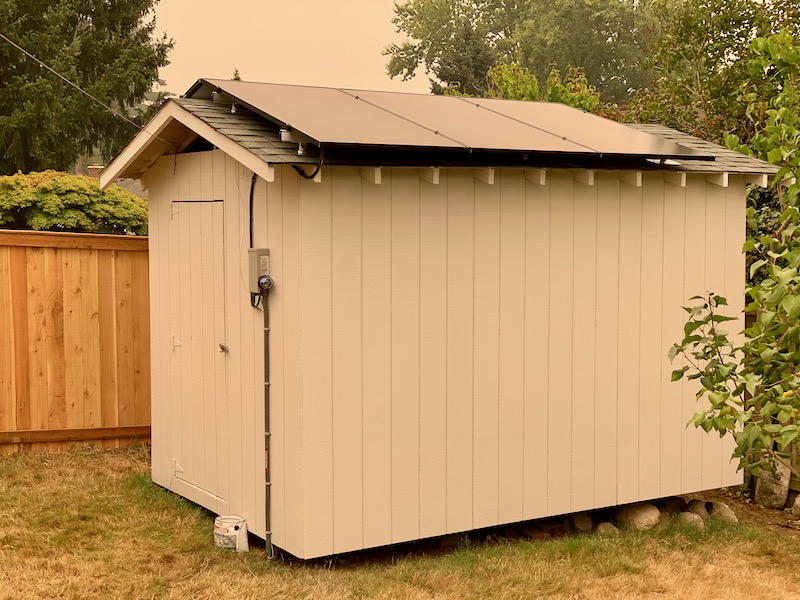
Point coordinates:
[(173, 111)]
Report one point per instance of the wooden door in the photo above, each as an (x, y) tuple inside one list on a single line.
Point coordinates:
[(198, 370)]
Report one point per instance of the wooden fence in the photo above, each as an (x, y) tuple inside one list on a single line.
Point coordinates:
[(74, 339)]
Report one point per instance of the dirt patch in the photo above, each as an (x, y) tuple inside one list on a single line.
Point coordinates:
[(781, 522)]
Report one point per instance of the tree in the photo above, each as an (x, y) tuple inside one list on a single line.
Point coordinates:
[(463, 65), (753, 387), (54, 201), (108, 48), (699, 50), (514, 82), (456, 41), (608, 47)]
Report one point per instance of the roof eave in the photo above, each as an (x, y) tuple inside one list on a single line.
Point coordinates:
[(172, 111)]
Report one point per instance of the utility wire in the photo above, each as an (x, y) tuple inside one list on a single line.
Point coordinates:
[(81, 90)]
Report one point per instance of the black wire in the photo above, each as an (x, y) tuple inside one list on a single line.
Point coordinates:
[(252, 190), (81, 90), (316, 171)]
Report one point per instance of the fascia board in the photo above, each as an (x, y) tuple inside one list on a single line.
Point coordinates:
[(139, 143), (173, 111)]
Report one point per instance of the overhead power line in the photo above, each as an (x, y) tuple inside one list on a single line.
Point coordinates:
[(80, 89)]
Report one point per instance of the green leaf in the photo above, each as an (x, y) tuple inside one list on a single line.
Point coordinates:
[(678, 373), (788, 437), (691, 326), (717, 398), (756, 266), (767, 317), (674, 350), (791, 304)]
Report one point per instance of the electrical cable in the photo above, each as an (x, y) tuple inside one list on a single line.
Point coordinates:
[(267, 433), (252, 191), (81, 90), (316, 171)]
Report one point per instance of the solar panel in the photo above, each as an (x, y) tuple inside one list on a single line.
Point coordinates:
[(602, 135), (483, 130), (370, 118)]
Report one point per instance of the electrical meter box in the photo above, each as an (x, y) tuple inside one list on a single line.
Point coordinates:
[(259, 266)]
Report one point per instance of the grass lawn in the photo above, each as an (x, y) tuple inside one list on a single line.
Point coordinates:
[(90, 524)]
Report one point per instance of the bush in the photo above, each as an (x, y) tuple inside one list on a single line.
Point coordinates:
[(55, 201)]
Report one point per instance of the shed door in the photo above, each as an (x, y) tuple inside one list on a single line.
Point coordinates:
[(199, 367)]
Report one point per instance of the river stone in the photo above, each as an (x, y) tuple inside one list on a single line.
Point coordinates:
[(697, 507), (606, 528), (582, 522), (533, 532), (638, 516), (772, 489), (796, 507), (722, 512), (674, 505), (691, 519)]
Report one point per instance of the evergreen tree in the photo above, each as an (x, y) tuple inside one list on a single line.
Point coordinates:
[(107, 47)]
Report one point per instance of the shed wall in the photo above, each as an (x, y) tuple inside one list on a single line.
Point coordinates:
[(452, 356), (207, 432), (478, 354)]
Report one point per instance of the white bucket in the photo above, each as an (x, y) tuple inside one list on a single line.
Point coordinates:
[(231, 532)]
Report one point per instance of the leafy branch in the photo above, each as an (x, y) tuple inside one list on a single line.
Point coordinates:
[(752, 387)]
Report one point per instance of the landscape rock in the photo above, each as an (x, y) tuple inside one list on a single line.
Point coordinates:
[(697, 507), (796, 507), (722, 512), (691, 519), (532, 532), (674, 505), (640, 517), (606, 528), (582, 522), (772, 489), (556, 527)]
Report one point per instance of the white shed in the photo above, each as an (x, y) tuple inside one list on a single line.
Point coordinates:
[(472, 306)]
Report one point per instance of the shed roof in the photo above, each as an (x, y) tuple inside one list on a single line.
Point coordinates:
[(725, 159), (402, 120), (266, 124)]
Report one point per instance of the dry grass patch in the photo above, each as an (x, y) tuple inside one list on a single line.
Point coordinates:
[(90, 524)]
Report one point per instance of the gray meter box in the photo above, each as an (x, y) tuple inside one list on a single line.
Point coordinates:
[(259, 265)]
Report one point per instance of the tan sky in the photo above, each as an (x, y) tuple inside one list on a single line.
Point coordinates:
[(312, 42)]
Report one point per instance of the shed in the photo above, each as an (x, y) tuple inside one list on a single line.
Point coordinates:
[(473, 301)]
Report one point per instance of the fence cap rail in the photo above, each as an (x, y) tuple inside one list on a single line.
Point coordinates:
[(77, 241)]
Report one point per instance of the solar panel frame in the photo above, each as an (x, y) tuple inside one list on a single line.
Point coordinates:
[(363, 118)]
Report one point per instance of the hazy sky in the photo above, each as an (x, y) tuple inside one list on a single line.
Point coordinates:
[(313, 42)]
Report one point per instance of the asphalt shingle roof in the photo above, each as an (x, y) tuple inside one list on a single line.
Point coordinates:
[(725, 159), (247, 129)]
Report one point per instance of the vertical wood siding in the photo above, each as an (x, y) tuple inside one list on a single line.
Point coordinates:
[(499, 351), (450, 356), (208, 410), (74, 337)]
